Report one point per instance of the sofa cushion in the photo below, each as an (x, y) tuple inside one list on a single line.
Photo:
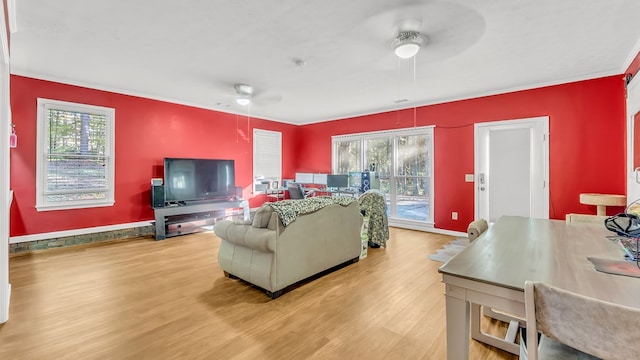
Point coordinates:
[(262, 216), (246, 235)]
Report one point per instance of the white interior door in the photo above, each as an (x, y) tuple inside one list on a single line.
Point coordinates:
[(511, 168), (633, 107)]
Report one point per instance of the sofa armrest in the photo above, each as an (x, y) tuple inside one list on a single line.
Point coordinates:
[(262, 239)]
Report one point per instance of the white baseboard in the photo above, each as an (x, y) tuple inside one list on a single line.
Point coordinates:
[(448, 232), (84, 231), (97, 229), (422, 226)]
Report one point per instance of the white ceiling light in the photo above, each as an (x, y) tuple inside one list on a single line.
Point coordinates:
[(408, 43), (243, 101), (245, 93)]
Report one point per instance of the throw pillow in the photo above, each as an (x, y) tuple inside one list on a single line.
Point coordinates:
[(262, 216)]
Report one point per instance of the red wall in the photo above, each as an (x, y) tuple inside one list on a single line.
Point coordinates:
[(587, 146), (146, 132), (587, 142)]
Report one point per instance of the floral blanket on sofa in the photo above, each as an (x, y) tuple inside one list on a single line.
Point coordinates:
[(289, 210), (374, 205)]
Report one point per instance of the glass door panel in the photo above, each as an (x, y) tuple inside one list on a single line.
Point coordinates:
[(412, 181), (411, 198), (348, 155), (378, 155)]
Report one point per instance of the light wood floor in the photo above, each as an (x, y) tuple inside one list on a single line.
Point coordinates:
[(146, 299)]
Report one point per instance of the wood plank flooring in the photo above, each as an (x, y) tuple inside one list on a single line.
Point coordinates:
[(146, 299)]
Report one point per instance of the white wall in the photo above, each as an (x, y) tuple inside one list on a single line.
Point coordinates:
[(5, 125)]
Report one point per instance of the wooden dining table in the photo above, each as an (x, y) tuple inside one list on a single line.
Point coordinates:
[(491, 271)]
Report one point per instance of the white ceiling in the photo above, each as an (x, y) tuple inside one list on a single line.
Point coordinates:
[(319, 60)]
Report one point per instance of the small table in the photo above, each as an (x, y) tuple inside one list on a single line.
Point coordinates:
[(492, 270), (601, 201), (276, 194)]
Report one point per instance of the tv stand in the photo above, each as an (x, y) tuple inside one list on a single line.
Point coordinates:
[(183, 214)]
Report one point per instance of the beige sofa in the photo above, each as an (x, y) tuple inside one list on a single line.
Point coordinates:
[(273, 256)]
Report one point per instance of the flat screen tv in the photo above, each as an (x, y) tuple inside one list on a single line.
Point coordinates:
[(191, 180)]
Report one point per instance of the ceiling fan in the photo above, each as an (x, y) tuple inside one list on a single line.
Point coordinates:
[(245, 95), (433, 30)]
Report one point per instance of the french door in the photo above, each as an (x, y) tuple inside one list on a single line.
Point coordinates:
[(401, 163)]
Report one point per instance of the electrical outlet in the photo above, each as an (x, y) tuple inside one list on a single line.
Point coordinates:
[(454, 215)]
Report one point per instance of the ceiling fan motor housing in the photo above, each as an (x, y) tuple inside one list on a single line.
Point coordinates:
[(242, 89)]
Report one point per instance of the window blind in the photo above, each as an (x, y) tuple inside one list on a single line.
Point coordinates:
[(267, 155)]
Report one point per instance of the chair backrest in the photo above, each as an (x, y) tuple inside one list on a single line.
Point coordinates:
[(582, 218), (295, 191), (593, 326), (476, 228)]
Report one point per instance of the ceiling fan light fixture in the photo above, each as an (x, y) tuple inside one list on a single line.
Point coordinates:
[(407, 44), (407, 50), (245, 92), (243, 101)]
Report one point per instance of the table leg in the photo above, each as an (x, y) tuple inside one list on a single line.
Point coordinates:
[(160, 233), (457, 324), (246, 210)]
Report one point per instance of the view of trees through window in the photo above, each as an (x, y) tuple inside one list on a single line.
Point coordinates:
[(75, 156), (401, 160), (412, 178), (75, 162), (348, 156)]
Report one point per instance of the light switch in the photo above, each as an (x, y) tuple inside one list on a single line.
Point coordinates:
[(468, 177)]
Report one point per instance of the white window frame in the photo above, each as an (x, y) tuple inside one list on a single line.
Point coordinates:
[(428, 130), (267, 158), (43, 126)]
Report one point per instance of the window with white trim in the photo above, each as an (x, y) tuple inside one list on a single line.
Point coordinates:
[(75, 162), (402, 163), (267, 160)]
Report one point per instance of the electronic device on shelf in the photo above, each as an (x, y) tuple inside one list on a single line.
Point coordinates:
[(196, 180), (369, 180), (355, 179)]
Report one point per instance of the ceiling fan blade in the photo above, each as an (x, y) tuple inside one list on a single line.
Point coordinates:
[(267, 99)]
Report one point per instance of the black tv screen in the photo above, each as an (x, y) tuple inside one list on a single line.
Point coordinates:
[(198, 179), (337, 181)]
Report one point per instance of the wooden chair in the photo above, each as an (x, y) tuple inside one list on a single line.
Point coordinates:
[(577, 327), (476, 228), (583, 218)]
